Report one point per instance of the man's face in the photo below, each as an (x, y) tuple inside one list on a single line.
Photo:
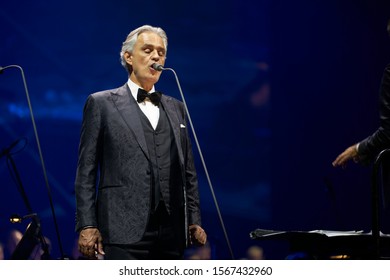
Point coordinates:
[(148, 49)]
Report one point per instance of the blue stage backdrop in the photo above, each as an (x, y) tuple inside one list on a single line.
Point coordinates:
[(318, 63)]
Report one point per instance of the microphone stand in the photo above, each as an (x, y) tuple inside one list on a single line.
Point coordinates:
[(40, 155), (159, 68), (375, 199), (37, 233)]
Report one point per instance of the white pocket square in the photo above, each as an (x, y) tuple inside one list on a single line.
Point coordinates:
[(182, 126)]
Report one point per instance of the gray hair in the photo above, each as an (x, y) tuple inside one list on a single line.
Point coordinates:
[(128, 44)]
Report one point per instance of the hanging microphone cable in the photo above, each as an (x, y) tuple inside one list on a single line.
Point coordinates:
[(40, 155), (159, 67)]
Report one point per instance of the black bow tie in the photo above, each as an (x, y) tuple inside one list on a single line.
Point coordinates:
[(154, 96)]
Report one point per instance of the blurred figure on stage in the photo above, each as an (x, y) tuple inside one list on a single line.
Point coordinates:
[(13, 240), (366, 150), (199, 253), (255, 252), (2, 255)]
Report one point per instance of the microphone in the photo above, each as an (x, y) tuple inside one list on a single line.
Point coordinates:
[(156, 66)]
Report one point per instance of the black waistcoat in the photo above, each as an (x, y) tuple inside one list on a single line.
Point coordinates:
[(164, 161)]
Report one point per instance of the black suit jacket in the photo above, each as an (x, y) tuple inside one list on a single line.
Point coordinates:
[(370, 147), (113, 174)]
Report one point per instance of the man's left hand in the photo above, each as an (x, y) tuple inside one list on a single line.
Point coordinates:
[(197, 235)]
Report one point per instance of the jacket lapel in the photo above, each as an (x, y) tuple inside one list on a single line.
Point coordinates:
[(173, 117), (127, 108)]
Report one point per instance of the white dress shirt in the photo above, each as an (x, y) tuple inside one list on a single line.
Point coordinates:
[(150, 110)]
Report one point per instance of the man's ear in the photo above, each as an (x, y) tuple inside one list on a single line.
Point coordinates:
[(128, 58)]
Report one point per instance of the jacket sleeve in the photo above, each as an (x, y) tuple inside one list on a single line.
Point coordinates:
[(191, 178), (370, 147), (87, 167)]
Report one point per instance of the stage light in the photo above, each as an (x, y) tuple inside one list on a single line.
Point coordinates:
[(15, 218)]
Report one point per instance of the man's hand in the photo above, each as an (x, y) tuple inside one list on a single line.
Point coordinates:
[(344, 157), (90, 243), (197, 235)]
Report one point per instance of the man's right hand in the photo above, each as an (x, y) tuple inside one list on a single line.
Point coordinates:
[(351, 153), (90, 243)]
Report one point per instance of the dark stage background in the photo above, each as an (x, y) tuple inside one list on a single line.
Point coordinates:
[(276, 90)]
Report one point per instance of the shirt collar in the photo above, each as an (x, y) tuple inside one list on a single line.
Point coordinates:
[(134, 88)]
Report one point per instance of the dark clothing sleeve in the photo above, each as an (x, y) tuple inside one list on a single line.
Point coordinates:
[(191, 179), (192, 189), (370, 147), (87, 167)]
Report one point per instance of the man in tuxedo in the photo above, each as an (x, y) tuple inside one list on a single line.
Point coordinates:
[(136, 184), (367, 149)]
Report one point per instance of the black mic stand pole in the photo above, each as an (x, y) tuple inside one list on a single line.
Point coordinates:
[(201, 157), (35, 219), (40, 155)]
